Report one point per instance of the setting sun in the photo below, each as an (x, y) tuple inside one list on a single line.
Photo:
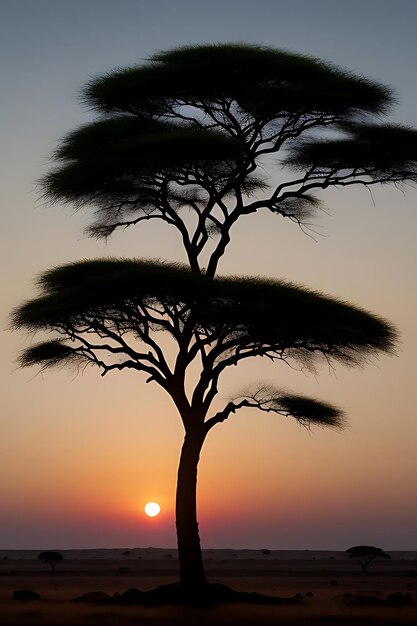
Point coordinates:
[(152, 509)]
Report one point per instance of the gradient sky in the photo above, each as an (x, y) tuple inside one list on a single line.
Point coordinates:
[(80, 456)]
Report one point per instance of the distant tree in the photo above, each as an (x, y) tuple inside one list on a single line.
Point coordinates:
[(51, 557), (187, 139), (366, 554)]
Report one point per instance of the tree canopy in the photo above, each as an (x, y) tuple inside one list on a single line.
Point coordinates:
[(106, 312), (185, 138)]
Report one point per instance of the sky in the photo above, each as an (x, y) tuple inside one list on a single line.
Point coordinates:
[(81, 455)]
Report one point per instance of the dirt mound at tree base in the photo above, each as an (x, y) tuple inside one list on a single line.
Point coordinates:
[(209, 595)]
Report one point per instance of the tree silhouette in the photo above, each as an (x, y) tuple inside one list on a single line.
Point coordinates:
[(186, 139), (366, 554), (51, 557)]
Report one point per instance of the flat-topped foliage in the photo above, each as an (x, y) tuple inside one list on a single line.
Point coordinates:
[(126, 295), (263, 81)]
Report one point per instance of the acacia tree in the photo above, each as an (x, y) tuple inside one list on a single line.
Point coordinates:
[(366, 554), (185, 139), (51, 557)]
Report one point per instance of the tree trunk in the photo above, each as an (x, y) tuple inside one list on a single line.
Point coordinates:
[(189, 550)]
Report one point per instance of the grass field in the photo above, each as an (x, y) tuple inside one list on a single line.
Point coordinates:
[(322, 579)]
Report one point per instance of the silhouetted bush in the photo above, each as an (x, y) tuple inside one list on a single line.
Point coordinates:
[(25, 595), (399, 599)]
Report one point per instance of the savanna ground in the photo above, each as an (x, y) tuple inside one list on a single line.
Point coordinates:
[(325, 575)]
